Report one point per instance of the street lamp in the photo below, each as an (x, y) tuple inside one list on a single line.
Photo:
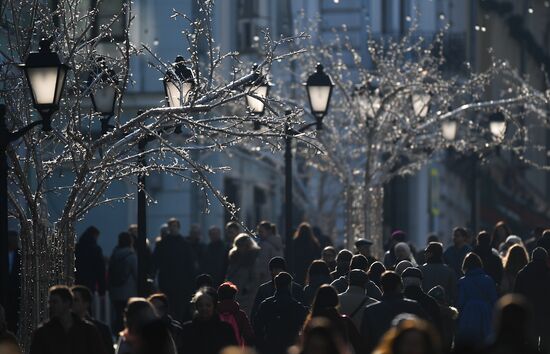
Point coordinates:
[(106, 92), (46, 77), (448, 129), (319, 90), (421, 103), (497, 125), (178, 83), (256, 94)]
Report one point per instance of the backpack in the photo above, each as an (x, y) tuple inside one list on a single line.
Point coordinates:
[(117, 271), (229, 317)]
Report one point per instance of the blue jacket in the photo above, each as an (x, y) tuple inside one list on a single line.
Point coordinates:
[(477, 295)]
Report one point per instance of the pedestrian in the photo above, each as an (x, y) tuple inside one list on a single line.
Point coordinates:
[(162, 308), (510, 241), (492, 263), (531, 242), (354, 300), (402, 252), (122, 278), (358, 262), (155, 338), (320, 336), (137, 314), (279, 318), (513, 327), (317, 275), (477, 295), (271, 246), (147, 258), (267, 289), (378, 317), (435, 272), (89, 262), (448, 314), (207, 333), (305, 250), (410, 336), (454, 255), (243, 270), (232, 230), (14, 281), (389, 257), (230, 312), (65, 332), (196, 246), (515, 259), (500, 232), (363, 247), (82, 301), (412, 285), (375, 272), (176, 270), (421, 255), (203, 281), (215, 259), (326, 305), (533, 282), (343, 260), (329, 256)]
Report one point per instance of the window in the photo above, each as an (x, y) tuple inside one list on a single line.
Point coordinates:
[(248, 25), (111, 17)]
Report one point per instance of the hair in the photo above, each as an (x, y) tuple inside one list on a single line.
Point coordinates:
[(435, 251), (304, 232), (63, 292), (461, 232), (359, 262), (358, 278), (241, 242), (516, 258), (471, 261), (89, 235), (283, 281), (321, 328), (277, 263), (391, 341), (539, 254), (266, 225), (375, 271), (317, 268), (124, 239), (173, 220), (232, 225), (203, 280), (344, 256), (227, 291), (206, 291), (432, 238), (401, 266), (138, 312), (483, 239), (391, 282), (155, 338), (329, 249), (513, 319), (326, 297), (159, 297), (84, 292), (495, 238), (544, 240)]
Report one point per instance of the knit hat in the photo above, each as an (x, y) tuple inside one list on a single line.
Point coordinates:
[(277, 263), (412, 272), (398, 236)]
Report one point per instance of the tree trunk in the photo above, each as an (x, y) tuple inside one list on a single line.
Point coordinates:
[(374, 218), (354, 215), (48, 260)]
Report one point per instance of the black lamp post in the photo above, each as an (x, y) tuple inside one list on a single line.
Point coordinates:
[(46, 77), (256, 94), (104, 96)]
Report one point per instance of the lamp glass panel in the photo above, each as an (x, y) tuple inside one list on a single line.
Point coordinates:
[(254, 104), (178, 94), (42, 82), (448, 129), (60, 83), (421, 104), (104, 99), (318, 96), (498, 129)]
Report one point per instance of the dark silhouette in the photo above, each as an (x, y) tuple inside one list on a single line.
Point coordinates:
[(448, 314), (500, 232), (230, 312), (196, 246), (434, 272), (329, 256), (89, 262), (515, 259), (137, 314), (375, 272), (389, 257), (354, 300), (317, 275), (279, 319), (306, 249), (412, 284), (358, 262), (411, 335), (155, 338), (215, 259), (162, 308), (232, 230), (320, 336), (492, 263), (363, 246), (454, 255), (324, 240), (343, 260), (271, 246)]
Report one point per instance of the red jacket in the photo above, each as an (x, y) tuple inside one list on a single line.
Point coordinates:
[(241, 318)]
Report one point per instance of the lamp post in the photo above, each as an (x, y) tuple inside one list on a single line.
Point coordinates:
[(256, 94), (104, 96), (497, 125), (46, 77)]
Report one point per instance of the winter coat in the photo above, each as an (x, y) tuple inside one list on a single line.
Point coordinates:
[(477, 295), (243, 272), (125, 258), (341, 285), (207, 337), (214, 261), (278, 323), (311, 289), (268, 290), (197, 250), (426, 301), (82, 338), (454, 257), (439, 274), (270, 247), (492, 263), (508, 282), (353, 302), (304, 253), (90, 265), (245, 329), (377, 318), (345, 326)]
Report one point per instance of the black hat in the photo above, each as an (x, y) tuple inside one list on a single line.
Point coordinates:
[(412, 272), (363, 242)]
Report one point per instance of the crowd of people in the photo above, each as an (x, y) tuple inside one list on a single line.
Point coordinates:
[(484, 294)]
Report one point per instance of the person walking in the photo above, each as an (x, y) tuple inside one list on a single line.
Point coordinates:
[(89, 262), (162, 308), (354, 300), (363, 247), (435, 272), (454, 255), (317, 275), (196, 246), (279, 319), (492, 263), (412, 284), (329, 256), (477, 295), (271, 246), (375, 272), (122, 278), (306, 249), (515, 259), (343, 260), (176, 270), (358, 262), (243, 270), (138, 313), (230, 312), (215, 259)]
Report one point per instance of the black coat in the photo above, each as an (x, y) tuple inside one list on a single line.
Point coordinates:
[(278, 323), (105, 333), (492, 263), (378, 317), (267, 290), (426, 301), (305, 252), (90, 265), (215, 261), (207, 337)]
